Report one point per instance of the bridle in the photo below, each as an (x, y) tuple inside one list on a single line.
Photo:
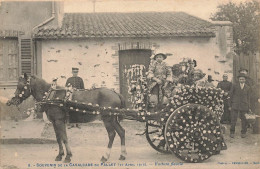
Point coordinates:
[(26, 88)]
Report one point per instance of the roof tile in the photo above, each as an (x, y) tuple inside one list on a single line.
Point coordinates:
[(147, 24)]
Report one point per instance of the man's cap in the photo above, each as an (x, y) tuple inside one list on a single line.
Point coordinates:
[(241, 75), (225, 75), (242, 69), (163, 55), (75, 69)]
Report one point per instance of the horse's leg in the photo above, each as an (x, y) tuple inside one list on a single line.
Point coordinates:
[(121, 132), (61, 151), (111, 135), (61, 128)]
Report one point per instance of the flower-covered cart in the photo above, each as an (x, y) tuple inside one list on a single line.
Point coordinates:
[(187, 126)]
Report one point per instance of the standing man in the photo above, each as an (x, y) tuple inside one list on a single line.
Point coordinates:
[(209, 82), (240, 102), (205, 83), (254, 93), (77, 83), (249, 81), (226, 86)]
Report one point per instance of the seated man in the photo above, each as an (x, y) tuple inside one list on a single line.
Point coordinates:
[(159, 75)]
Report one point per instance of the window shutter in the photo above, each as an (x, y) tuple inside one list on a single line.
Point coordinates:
[(26, 56)]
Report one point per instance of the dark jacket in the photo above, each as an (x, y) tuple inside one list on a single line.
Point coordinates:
[(225, 85), (75, 82), (240, 98)]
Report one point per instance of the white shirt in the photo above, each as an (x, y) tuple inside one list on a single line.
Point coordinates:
[(242, 85)]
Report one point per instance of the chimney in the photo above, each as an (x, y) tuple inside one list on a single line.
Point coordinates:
[(224, 37), (59, 8)]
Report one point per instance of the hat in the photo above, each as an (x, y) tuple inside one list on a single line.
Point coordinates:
[(242, 69), (241, 75), (199, 72), (163, 55), (210, 78), (225, 75), (74, 69)]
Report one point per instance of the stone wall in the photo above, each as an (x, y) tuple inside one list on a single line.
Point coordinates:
[(97, 59)]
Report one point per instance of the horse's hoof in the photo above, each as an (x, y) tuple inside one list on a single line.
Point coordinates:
[(122, 157), (67, 160), (103, 159), (59, 157)]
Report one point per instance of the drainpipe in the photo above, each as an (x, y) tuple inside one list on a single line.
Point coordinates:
[(48, 20), (34, 42)]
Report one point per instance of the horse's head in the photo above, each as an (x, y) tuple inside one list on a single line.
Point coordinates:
[(23, 91)]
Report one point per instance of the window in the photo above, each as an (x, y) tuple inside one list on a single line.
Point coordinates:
[(8, 60)]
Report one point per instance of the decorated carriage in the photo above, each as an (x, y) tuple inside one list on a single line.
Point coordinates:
[(187, 126)]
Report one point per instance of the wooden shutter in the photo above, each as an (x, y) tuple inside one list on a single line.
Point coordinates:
[(26, 56)]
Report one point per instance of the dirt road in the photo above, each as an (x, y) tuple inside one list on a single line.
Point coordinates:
[(89, 143)]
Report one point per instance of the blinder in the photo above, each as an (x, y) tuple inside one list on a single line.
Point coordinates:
[(26, 89)]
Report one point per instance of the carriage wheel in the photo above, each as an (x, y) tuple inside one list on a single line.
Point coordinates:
[(155, 136), (193, 133)]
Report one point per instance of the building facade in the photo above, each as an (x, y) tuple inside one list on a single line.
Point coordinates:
[(109, 47)]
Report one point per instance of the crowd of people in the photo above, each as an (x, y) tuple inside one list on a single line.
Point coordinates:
[(241, 93)]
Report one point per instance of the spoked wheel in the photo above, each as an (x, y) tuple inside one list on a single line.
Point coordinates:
[(155, 136), (193, 133)]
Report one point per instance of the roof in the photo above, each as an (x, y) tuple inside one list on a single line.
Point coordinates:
[(9, 33), (147, 24)]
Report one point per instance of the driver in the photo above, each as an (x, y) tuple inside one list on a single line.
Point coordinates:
[(159, 74)]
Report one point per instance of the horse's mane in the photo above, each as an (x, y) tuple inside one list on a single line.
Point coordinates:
[(41, 82), (39, 79)]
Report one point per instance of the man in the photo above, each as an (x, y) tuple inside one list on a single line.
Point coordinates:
[(226, 86), (159, 74), (77, 83), (254, 92), (240, 102), (249, 81), (209, 82), (205, 83)]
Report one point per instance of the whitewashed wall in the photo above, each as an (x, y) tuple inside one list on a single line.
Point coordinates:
[(98, 59), (93, 58)]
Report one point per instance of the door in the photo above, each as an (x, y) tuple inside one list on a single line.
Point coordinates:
[(133, 63)]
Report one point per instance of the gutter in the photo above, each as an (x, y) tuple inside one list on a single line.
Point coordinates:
[(48, 20)]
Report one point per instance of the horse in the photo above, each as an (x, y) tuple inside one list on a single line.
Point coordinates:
[(104, 97)]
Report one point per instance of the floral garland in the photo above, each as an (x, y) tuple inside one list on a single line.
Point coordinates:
[(209, 97)]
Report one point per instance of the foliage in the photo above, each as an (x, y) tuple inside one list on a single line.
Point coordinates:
[(245, 18)]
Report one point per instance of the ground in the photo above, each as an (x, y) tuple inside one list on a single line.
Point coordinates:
[(89, 143)]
